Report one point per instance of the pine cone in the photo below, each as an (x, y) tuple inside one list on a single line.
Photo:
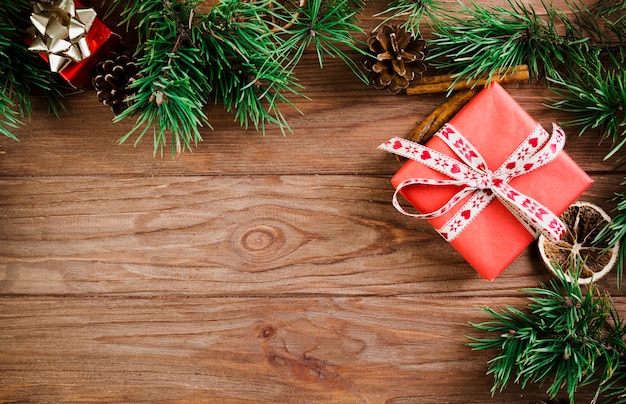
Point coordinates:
[(112, 79), (397, 58)]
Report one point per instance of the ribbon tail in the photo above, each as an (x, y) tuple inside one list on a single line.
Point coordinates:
[(532, 214), (522, 219)]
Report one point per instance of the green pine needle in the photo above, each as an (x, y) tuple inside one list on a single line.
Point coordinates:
[(482, 41), (241, 54), (614, 233), (172, 92), (567, 337), (329, 27), (245, 62), (596, 97), (412, 14)]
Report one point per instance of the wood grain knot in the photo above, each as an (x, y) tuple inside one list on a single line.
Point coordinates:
[(262, 242), (262, 239), (266, 331), (312, 372)]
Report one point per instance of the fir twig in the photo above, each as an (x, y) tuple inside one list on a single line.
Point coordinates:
[(172, 92), (596, 96), (328, 26), (241, 53), (568, 337), (605, 21), (245, 64), (483, 41)]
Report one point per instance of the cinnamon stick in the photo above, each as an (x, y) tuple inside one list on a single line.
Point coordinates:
[(447, 82), (442, 114)]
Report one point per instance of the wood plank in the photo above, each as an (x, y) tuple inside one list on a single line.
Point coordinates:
[(230, 350), (214, 236), (340, 130)]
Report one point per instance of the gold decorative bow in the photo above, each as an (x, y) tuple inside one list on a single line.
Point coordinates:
[(61, 32)]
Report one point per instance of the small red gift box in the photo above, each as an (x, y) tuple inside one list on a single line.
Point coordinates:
[(100, 41), (497, 128)]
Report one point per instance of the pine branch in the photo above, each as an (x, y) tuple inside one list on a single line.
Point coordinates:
[(327, 26), (246, 64), (606, 19), (568, 337), (595, 94), (173, 91), (483, 41), (241, 53)]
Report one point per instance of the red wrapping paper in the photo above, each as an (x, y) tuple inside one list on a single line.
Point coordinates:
[(495, 124)]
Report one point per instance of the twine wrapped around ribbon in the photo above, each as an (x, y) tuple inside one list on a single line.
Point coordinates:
[(476, 179), (61, 32)]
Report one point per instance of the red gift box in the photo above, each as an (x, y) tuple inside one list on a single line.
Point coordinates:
[(496, 125), (101, 40)]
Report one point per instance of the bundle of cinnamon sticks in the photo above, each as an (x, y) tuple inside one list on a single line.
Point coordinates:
[(465, 90)]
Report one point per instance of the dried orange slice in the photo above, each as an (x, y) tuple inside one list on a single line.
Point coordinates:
[(584, 221)]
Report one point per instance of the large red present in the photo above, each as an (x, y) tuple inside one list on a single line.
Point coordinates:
[(490, 181)]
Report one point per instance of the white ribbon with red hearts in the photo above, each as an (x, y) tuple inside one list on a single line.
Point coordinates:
[(476, 179)]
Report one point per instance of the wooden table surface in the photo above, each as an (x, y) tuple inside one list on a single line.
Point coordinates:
[(254, 269)]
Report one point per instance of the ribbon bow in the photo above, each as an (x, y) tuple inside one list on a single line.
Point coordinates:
[(476, 179), (61, 33)]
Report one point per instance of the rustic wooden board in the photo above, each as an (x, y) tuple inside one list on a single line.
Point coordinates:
[(257, 268), (287, 350), (271, 235)]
